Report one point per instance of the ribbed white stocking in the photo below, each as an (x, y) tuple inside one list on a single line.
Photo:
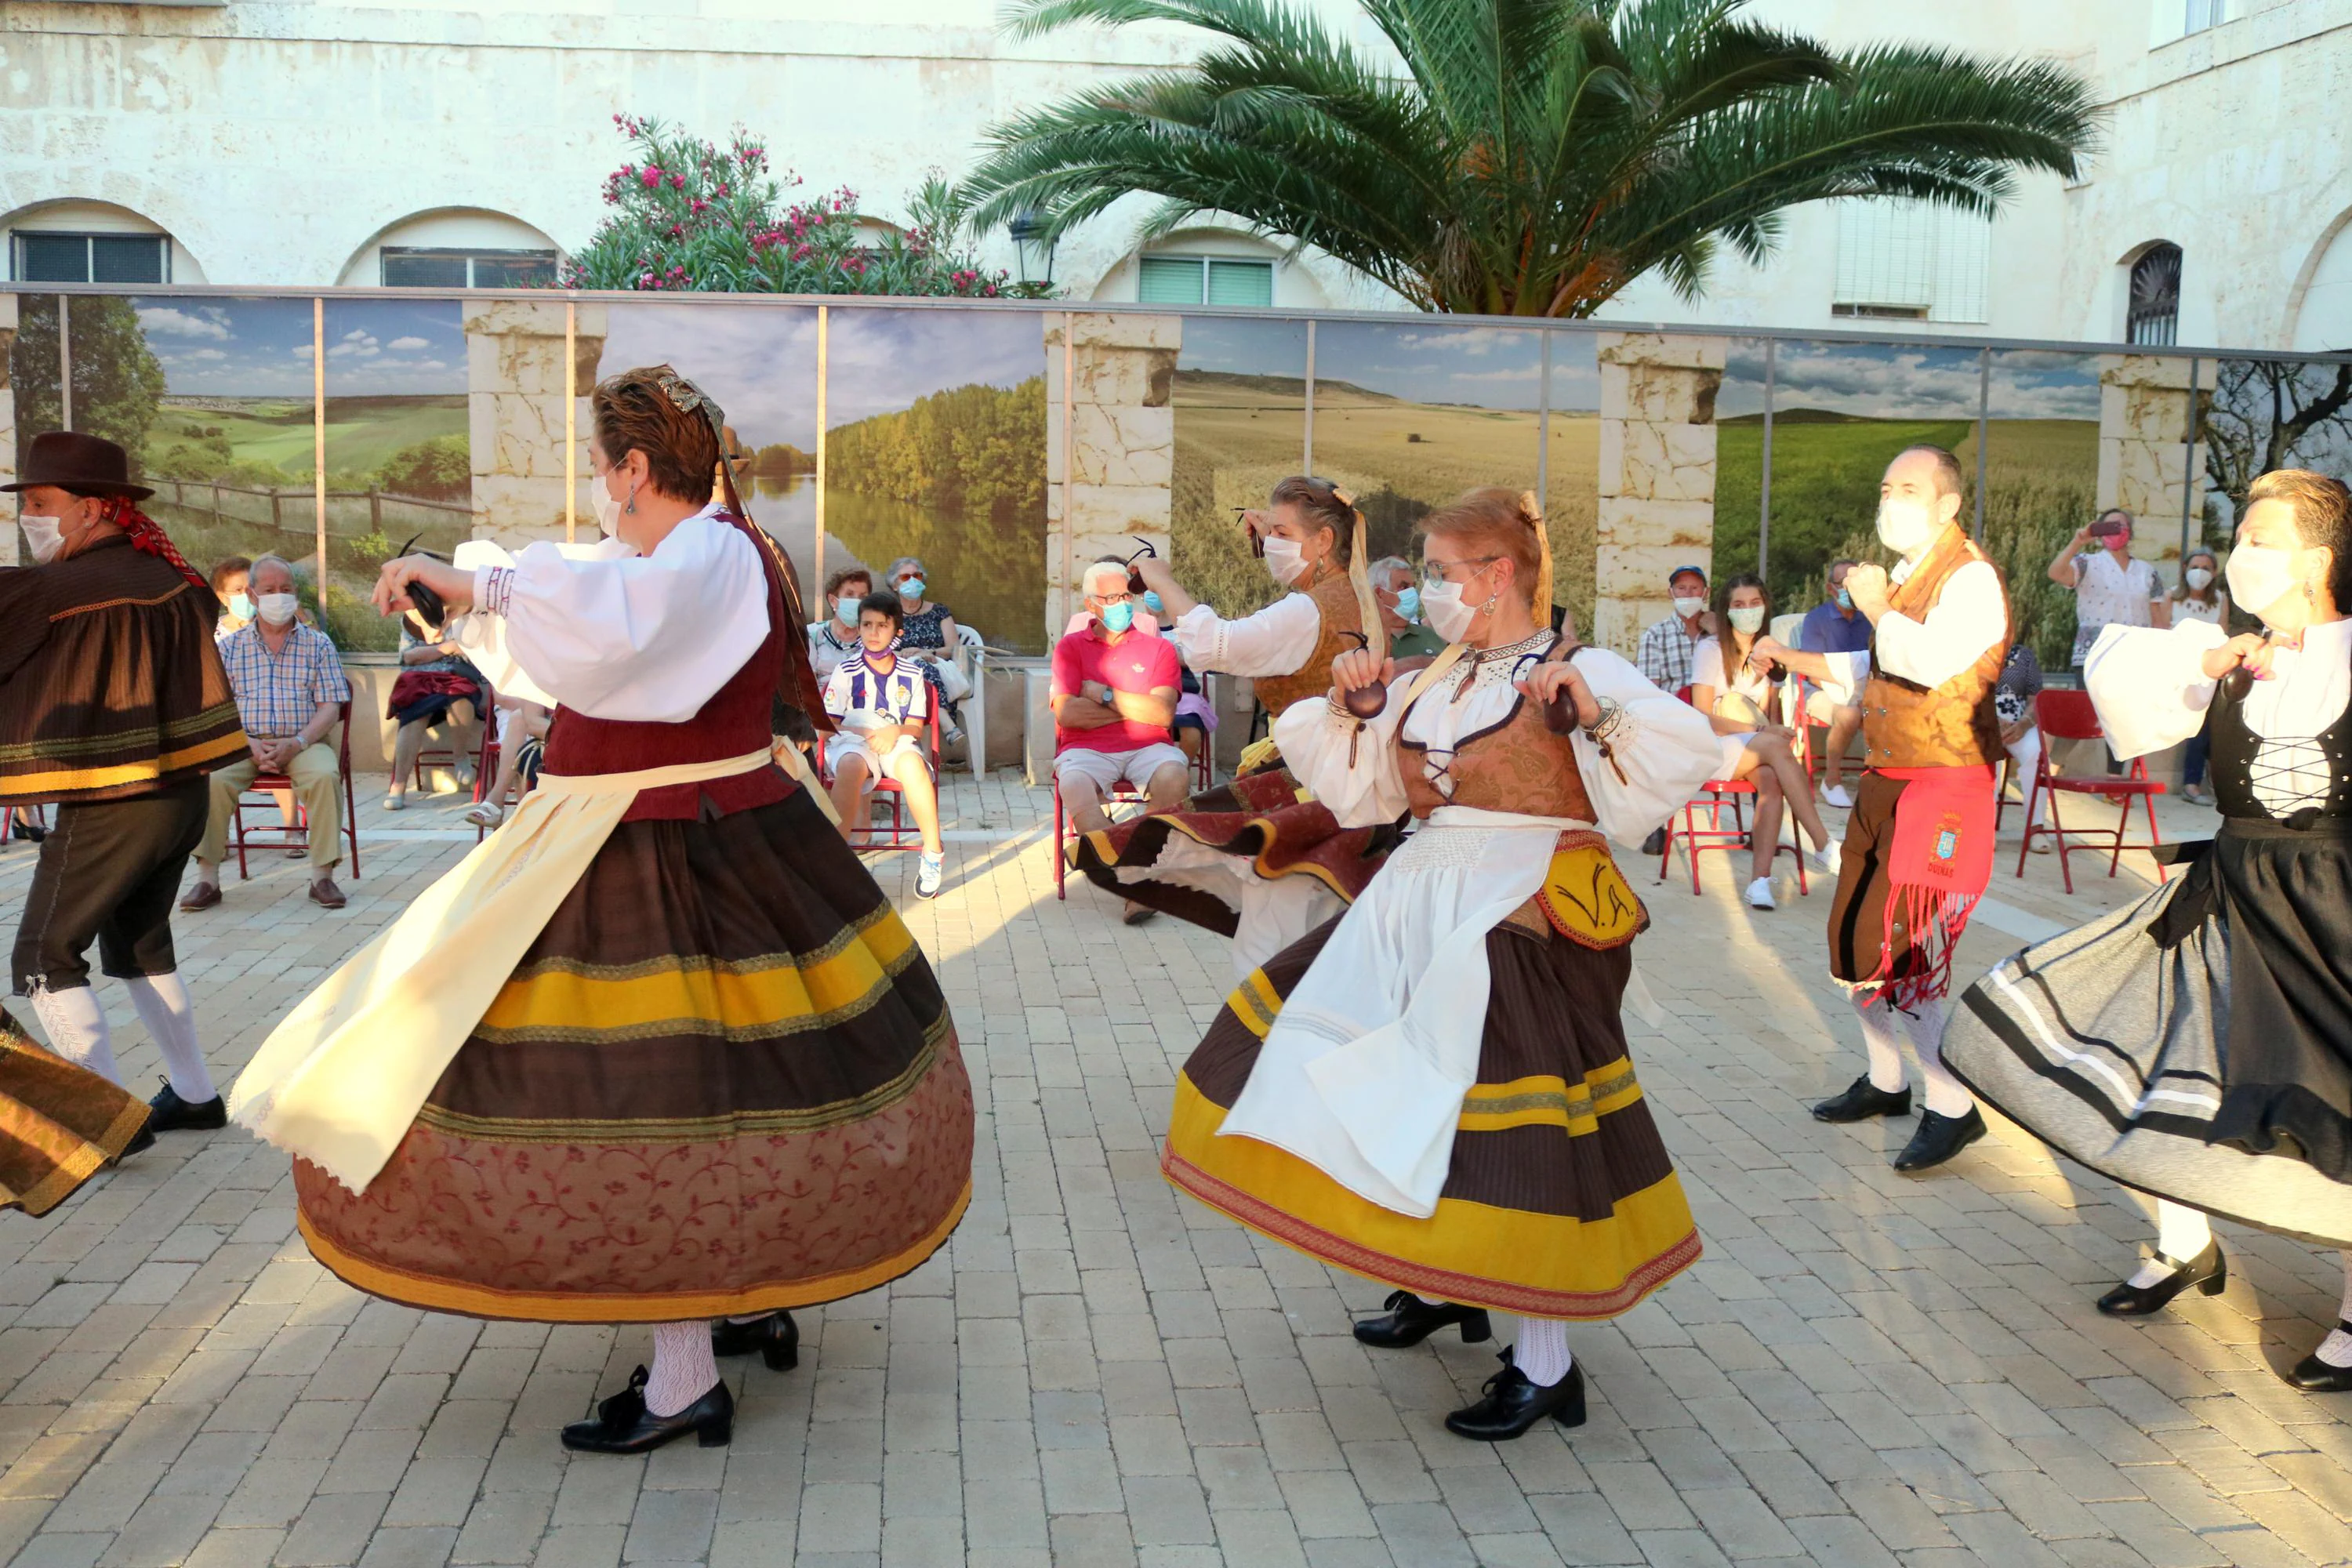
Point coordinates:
[(76, 1027), (171, 1020), (684, 1369), (1879, 1038), (2335, 1350), (2181, 1232), (1946, 1095), (1539, 1349)]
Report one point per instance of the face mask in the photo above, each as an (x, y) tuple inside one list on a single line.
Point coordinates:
[(1119, 616), (844, 610), (240, 607), (1844, 599), (2260, 577), (1151, 601), (1285, 559), (276, 609), (1685, 606), (45, 535), (608, 511), (1409, 603), (1748, 618), (2200, 577), (912, 588), (1904, 526)]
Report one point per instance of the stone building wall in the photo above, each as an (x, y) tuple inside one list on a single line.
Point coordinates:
[(1120, 462), (515, 379), (2147, 415), (1657, 474)]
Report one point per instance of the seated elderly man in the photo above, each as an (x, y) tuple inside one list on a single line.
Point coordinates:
[(290, 685), (1114, 696)]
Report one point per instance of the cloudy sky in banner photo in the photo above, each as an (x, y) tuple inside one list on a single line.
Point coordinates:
[(262, 348), (759, 361), (1905, 381)]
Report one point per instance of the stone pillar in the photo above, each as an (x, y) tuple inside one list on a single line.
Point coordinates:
[(1122, 456), (516, 381), (1657, 474), (7, 419), (2147, 416)]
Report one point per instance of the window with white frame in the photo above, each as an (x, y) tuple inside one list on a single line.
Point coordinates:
[(1203, 280), (2201, 14), (442, 267), (1903, 260), (49, 257)]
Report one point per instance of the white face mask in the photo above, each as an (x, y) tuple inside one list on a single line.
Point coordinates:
[(1904, 526), (608, 511), (1748, 618), (1286, 558), (2260, 577), (1686, 606), (2200, 577), (276, 609), (47, 535)]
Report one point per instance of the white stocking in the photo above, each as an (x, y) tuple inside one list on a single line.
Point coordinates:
[(1946, 1097), (1879, 1038), (76, 1027), (170, 1020), (2181, 1232), (683, 1368), (1539, 1349), (2335, 1350)]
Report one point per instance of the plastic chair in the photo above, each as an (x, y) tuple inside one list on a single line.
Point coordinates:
[(900, 835), (263, 835), (2070, 716)]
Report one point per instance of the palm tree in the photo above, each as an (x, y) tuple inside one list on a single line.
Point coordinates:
[(1522, 157)]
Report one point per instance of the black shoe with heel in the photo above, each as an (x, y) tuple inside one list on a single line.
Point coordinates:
[(623, 1424), (776, 1337), (2209, 1271), (1511, 1404), (1863, 1099), (1410, 1320), (2314, 1375), (167, 1113)]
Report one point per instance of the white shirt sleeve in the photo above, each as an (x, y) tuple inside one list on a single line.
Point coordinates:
[(1354, 774), (1847, 673), (1968, 618), (2150, 686), (1665, 746), (1707, 666), (1277, 641), (836, 691), (635, 638)]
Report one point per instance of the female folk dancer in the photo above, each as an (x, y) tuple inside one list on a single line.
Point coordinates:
[(2198, 1044), (1254, 860), (660, 1051), (1433, 1090)]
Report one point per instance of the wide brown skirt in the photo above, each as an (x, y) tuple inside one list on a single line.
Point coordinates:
[(723, 1079), (59, 1124), (1560, 1201)]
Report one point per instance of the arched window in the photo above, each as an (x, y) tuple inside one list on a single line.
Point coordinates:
[(91, 242), (2152, 310), (457, 248)]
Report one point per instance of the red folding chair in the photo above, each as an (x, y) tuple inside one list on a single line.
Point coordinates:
[(1712, 797), (1122, 794), (2070, 716), (902, 833), (283, 835)]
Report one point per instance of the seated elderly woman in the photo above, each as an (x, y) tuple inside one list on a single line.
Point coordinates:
[(835, 638), (437, 687), (1736, 697), (930, 639)]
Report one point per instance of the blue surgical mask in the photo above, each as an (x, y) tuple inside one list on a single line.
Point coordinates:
[(241, 607), (1119, 616), (1845, 600), (1409, 603), (1151, 601), (1748, 618), (912, 588)]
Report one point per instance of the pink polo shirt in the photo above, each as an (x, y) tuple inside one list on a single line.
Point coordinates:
[(1135, 661)]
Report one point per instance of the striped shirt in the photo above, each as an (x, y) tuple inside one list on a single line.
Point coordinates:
[(278, 693), (862, 697)]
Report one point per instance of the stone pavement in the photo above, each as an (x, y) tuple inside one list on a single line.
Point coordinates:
[(1863, 1370)]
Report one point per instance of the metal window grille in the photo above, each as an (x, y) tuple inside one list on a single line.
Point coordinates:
[(2152, 315)]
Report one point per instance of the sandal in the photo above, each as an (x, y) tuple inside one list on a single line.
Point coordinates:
[(486, 815)]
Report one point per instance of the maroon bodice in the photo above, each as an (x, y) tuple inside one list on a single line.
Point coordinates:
[(734, 723)]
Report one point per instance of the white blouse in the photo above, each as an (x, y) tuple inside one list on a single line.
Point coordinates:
[(612, 634), (2151, 692), (1277, 641), (1969, 617), (1707, 669)]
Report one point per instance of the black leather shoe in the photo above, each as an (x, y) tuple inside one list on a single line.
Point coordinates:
[(1863, 1099), (1938, 1139), (624, 1426), (167, 1113), (2314, 1375), (1410, 1320), (141, 1142), (776, 1337), (1512, 1405), (2209, 1271), (1655, 844)]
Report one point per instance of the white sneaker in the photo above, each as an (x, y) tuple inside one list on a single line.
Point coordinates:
[(1826, 861), (1760, 894), (929, 871), (1838, 795)]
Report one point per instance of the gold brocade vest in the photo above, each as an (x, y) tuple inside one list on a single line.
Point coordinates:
[(1907, 725), (1518, 766), (1335, 601)]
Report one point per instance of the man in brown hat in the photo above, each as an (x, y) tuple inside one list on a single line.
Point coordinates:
[(114, 704)]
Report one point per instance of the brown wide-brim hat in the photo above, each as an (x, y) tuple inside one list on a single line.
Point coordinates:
[(87, 465)]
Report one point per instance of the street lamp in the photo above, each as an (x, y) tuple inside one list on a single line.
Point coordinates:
[(1035, 250)]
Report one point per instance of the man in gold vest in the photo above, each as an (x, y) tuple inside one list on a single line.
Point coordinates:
[(1919, 845)]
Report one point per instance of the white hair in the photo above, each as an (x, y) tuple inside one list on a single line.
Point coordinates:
[(260, 561), (1095, 573), (903, 560), (1386, 564)]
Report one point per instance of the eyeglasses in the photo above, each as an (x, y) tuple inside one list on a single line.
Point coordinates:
[(1433, 573)]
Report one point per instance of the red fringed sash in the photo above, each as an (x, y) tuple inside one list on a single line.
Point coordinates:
[(1939, 865)]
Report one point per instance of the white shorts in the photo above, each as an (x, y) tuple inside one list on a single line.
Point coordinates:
[(1108, 770), (1820, 707), (845, 743)]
